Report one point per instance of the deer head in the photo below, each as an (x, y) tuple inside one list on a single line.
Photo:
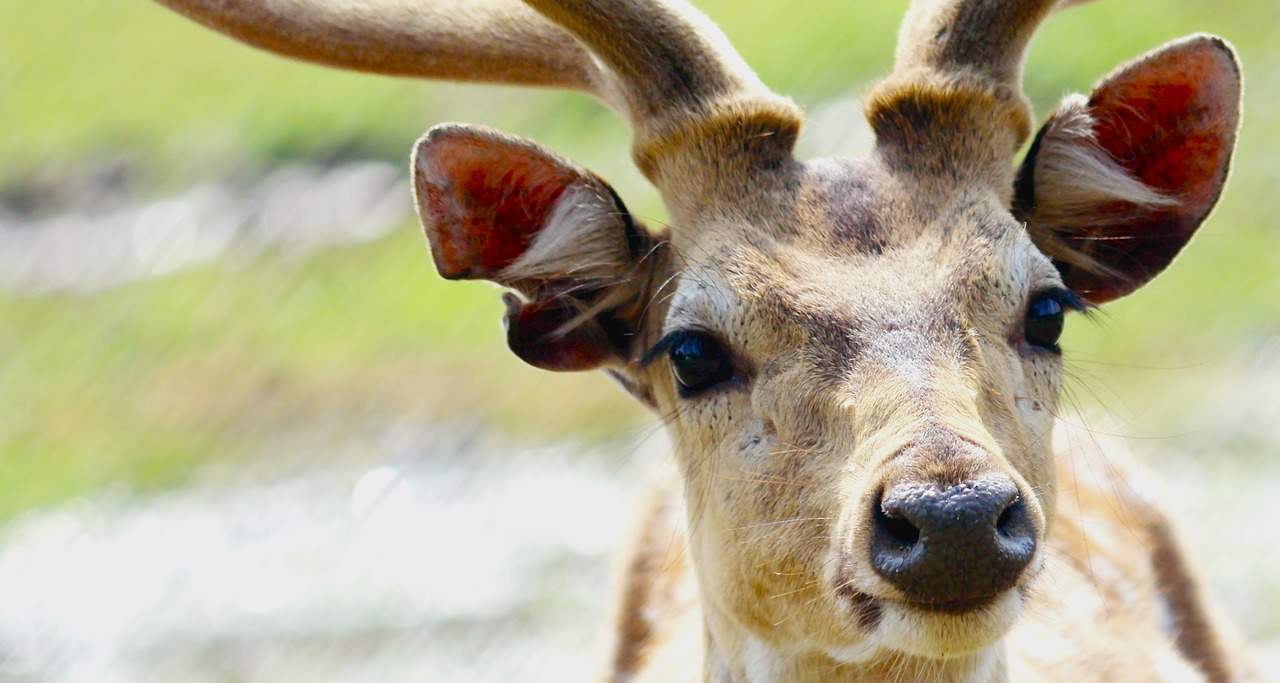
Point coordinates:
[(858, 359)]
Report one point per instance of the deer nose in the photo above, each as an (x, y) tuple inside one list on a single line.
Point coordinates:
[(952, 548)]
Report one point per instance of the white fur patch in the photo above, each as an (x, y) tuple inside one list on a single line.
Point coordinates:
[(581, 239), (855, 654), (760, 663), (701, 299), (942, 636), (1075, 177)]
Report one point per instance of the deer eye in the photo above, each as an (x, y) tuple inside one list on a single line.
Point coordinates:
[(699, 362), (1043, 324)]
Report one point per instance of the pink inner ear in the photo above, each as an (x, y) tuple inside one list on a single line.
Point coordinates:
[(483, 199), (1169, 119)]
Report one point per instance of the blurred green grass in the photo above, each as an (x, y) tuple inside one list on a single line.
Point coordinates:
[(136, 386)]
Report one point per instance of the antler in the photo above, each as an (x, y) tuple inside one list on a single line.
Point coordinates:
[(662, 64), (492, 41), (954, 101)]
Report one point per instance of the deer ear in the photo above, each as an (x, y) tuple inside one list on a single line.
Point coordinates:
[(503, 209), (1114, 186)]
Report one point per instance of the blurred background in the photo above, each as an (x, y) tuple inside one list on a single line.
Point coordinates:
[(247, 435)]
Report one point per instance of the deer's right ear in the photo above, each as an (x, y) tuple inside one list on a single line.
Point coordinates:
[(1114, 186), (501, 208)]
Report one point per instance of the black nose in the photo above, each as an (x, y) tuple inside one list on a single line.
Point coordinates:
[(952, 548)]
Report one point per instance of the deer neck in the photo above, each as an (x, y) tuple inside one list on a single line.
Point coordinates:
[(734, 655)]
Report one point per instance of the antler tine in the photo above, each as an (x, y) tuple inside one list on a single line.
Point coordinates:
[(956, 86), (491, 41), (980, 38)]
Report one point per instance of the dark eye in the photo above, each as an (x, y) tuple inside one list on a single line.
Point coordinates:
[(699, 363), (1043, 325)]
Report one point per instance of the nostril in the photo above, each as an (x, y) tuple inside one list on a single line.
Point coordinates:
[(1009, 518), (1015, 535), (899, 528), (897, 544)]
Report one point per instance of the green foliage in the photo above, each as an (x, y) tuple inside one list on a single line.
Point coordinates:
[(137, 385)]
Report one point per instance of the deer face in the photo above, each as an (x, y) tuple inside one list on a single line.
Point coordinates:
[(843, 375), (857, 360)]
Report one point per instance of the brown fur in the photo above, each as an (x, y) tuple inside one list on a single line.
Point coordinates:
[(1101, 574), (659, 589), (872, 314)]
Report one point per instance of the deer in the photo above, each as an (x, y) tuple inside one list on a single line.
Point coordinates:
[(857, 360)]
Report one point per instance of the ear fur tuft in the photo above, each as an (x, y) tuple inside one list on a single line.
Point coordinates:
[(1115, 186), (503, 209), (571, 243)]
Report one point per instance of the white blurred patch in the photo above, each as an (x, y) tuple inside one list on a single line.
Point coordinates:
[(452, 557)]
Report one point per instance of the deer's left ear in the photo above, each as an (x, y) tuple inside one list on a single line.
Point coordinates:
[(1114, 186)]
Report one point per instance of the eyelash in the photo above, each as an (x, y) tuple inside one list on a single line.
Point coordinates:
[(1044, 316), (1067, 298), (699, 361)]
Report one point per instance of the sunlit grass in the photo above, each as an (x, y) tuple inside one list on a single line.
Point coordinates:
[(137, 385)]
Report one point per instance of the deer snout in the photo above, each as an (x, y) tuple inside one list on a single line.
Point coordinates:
[(952, 548)]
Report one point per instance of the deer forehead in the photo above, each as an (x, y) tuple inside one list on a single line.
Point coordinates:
[(849, 261)]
